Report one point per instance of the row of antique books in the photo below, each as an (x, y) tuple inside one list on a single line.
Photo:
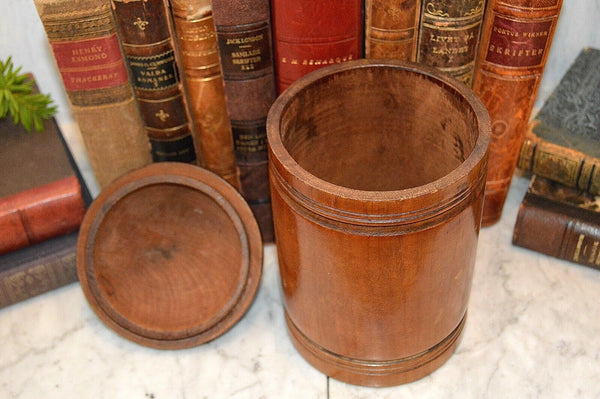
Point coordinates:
[(193, 80), (560, 214)]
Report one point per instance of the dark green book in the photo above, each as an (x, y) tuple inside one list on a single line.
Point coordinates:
[(563, 140)]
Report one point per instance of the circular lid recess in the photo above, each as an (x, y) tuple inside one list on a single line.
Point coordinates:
[(169, 256)]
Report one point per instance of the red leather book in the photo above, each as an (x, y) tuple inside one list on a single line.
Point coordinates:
[(310, 34), (514, 47), (40, 213)]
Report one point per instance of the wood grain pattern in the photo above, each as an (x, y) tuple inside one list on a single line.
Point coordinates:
[(377, 175), (169, 274)]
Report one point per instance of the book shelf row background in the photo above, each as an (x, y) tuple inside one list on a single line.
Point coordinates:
[(532, 329)]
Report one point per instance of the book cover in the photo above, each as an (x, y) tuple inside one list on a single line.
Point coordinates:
[(86, 48), (562, 142), (245, 45), (515, 42), (310, 34), (449, 36), (197, 41), (42, 192), (37, 269), (147, 36), (391, 28), (559, 221)]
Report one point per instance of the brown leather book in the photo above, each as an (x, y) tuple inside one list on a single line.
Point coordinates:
[(391, 28), (245, 46), (449, 36), (515, 43), (310, 34), (37, 269), (559, 221), (42, 193), (86, 48), (562, 142), (147, 35), (200, 58)]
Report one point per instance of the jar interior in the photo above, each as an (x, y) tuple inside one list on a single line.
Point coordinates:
[(379, 128)]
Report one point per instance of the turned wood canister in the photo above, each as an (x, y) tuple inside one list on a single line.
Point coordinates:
[(377, 172)]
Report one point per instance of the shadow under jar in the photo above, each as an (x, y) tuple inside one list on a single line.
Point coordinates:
[(377, 173)]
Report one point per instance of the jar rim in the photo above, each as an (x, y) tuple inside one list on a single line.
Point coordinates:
[(285, 163)]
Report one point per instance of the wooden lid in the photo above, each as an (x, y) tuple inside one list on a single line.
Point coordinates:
[(169, 256)]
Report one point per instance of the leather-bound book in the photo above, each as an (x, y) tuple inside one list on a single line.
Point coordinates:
[(391, 28), (559, 221), (245, 45), (310, 34), (562, 142), (515, 42), (37, 269), (42, 193), (449, 36), (200, 58), (146, 33), (86, 48)]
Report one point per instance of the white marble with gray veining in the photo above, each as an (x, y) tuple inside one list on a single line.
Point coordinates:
[(533, 329)]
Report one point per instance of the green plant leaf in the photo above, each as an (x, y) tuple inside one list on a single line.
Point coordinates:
[(18, 100)]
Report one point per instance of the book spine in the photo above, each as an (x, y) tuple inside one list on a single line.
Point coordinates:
[(449, 36), (558, 230), (245, 45), (200, 58), (146, 33), (35, 270), (40, 213), (310, 34), (391, 29), (515, 43), (564, 165), (88, 55)]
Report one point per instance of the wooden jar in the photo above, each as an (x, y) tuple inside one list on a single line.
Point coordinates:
[(377, 173)]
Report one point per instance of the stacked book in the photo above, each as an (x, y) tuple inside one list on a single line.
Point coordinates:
[(560, 214), (43, 199)]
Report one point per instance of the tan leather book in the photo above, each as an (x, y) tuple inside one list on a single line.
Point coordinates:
[(515, 43), (449, 36), (197, 42), (391, 28), (88, 55), (245, 46), (147, 35)]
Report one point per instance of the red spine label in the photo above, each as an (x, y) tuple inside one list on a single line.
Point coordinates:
[(518, 43), (90, 64)]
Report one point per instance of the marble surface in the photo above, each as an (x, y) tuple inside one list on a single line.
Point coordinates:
[(532, 332), (533, 329)]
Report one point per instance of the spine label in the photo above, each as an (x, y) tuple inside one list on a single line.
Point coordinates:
[(245, 51), (518, 43), (177, 150), (90, 64), (155, 72), (250, 142)]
